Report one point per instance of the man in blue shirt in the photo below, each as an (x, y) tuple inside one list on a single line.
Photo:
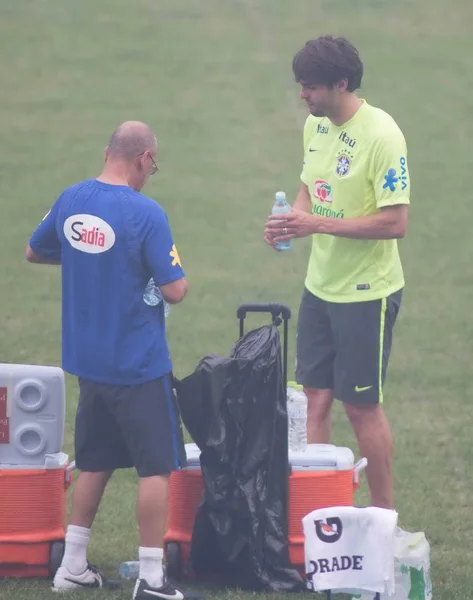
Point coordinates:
[(110, 240)]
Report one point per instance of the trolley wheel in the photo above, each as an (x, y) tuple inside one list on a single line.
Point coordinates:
[(55, 557), (174, 561)]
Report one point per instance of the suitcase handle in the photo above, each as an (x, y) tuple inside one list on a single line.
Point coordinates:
[(277, 311), (274, 308)]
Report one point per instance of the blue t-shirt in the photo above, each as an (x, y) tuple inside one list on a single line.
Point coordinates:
[(110, 241)]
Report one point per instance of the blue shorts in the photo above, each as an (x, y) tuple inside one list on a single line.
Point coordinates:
[(123, 426)]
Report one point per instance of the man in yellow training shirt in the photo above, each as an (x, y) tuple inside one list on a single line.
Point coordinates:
[(353, 202)]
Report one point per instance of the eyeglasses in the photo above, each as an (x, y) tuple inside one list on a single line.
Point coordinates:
[(155, 166)]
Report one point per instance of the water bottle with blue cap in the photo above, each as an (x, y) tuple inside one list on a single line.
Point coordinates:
[(281, 207)]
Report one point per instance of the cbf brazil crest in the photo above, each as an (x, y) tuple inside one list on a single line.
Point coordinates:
[(344, 162)]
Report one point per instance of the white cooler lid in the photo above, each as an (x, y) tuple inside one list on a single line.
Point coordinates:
[(322, 457), (51, 462), (317, 457)]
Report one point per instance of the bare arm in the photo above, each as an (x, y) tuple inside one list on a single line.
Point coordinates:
[(174, 292), (33, 257), (303, 201), (389, 223)]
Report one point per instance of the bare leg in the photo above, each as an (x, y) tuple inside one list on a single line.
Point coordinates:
[(151, 510), (319, 415), (375, 442), (86, 497)]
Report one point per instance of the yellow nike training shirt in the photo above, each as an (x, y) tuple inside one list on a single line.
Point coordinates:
[(353, 170)]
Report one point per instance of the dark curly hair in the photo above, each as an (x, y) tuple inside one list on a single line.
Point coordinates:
[(328, 60)]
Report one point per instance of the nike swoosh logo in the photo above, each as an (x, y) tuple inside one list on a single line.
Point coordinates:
[(362, 389), (90, 584), (176, 596), (312, 149)]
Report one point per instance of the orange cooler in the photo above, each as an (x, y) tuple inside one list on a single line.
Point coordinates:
[(322, 476), (33, 517)]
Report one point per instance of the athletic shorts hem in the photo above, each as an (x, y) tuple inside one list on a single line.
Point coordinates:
[(90, 467), (141, 471), (312, 384)]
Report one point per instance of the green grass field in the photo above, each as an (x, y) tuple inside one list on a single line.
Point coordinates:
[(213, 77)]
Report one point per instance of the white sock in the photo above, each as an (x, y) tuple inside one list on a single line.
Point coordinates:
[(75, 553), (151, 566)]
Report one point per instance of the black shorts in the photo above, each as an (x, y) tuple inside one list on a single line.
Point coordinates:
[(345, 347), (123, 426)]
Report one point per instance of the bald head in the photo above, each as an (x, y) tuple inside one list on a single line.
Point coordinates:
[(130, 140)]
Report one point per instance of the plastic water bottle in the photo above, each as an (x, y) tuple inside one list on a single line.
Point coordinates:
[(281, 207), (297, 417), (129, 569), (153, 297)]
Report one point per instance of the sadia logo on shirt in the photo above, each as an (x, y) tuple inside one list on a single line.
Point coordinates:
[(88, 233), (323, 191)]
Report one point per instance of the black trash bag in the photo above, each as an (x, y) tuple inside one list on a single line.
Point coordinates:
[(235, 411)]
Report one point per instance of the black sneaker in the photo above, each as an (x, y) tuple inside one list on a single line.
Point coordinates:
[(91, 578), (144, 591)]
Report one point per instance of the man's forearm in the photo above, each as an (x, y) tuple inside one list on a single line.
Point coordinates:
[(381, 226), (303, 201)]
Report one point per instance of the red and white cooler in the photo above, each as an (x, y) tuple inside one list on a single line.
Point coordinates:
[(323, 475)]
